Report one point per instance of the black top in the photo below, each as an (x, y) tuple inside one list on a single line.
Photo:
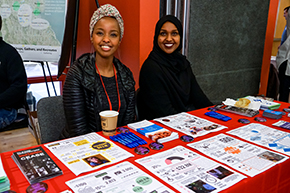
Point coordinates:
[(167, 84), (111, 88), (13, 79)]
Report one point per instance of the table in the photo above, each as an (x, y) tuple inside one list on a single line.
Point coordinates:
[(276, 179)]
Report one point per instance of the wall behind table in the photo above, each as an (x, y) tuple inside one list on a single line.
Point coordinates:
[(139, 18), (226, 44)]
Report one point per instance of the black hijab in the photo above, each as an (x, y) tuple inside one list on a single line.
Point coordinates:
[(175, 66), (175, 60)]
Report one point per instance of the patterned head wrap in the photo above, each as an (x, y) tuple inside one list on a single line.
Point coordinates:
[(106, 11)]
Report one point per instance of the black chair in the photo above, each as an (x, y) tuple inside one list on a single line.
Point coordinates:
[(51, 118)]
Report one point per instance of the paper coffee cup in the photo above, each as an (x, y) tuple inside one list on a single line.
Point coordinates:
[(109, 119)]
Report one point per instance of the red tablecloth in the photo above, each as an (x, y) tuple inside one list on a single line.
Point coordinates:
[(276, 179)]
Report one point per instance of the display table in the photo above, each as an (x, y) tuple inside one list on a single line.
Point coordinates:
[(276, 179)]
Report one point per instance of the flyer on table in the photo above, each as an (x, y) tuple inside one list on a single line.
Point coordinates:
[(188, 171), (87, 152), (266, 136), (242, 156), (190, 124), (123, 177)]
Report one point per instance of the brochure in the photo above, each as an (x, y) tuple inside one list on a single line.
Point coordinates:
[(188, 171), (153, 131), (190, 124), (242, 156), (123, 177), (87, 152), (36, 165), (266, 136)]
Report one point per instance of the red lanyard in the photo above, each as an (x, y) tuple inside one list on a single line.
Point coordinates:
[(119, 100)]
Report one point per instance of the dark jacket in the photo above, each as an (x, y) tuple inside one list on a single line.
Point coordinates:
[(13, 79), (81, 96), (158, 95)]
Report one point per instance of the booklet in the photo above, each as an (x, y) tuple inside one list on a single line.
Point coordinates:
[(154, 132), (36, 165)]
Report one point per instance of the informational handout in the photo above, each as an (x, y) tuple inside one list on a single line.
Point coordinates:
[(266, 136), (123, 177), (87, 152), (242, 156), (190, 172), (190, 124)]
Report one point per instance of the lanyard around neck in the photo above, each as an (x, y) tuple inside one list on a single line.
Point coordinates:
[(119, 100)]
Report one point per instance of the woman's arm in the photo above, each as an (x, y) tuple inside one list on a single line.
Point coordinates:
[(130, 113), (74, 103)]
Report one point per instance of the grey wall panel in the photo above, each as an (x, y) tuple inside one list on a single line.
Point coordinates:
[(226, 44)]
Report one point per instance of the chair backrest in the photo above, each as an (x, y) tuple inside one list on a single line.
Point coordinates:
[(51, 118)]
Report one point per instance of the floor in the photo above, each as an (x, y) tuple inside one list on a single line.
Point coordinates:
[(16, 139)]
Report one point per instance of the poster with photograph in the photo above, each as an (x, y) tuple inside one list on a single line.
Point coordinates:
[(242, 156), (190, 172), (190, 124), (87, 152)]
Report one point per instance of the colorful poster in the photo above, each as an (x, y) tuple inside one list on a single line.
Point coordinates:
[(34, 27)]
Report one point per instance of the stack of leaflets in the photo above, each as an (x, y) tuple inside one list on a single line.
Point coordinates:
[(272, 114), (36, 165), (265, 104), (4, 181), (153, 131)]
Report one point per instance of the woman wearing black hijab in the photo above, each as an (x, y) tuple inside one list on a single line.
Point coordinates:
[(167, 84)]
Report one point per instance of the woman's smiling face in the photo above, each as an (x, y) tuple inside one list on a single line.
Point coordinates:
[(168, 38), (106, 37)]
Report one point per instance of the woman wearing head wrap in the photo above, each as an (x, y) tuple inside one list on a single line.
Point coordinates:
[(167, 84), (98, 81)]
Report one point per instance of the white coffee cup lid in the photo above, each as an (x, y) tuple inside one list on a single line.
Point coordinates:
[(109, 113)]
